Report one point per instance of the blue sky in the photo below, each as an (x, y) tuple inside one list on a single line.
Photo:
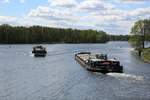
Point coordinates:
[(112, 16)]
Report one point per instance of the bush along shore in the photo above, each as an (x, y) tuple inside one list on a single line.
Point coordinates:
[(145, 55)]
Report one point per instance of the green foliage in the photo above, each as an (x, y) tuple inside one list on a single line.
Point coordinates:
[(146, 55), (140, 33), (147, 37), (118, 37), (38, 34)]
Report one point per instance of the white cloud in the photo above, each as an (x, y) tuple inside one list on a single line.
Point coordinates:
[(138, 13), (51, 14), (133, 1), (8, 1), (95, 5), (7, 19), (25, 21), (63, 3)]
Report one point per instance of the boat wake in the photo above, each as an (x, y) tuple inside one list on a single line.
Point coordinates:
[(31, 55), (126, 76)]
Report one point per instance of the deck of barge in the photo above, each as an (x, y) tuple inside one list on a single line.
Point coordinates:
[(84, 57)]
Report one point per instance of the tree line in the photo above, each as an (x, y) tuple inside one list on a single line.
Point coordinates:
[(39, 34), (119, 37)]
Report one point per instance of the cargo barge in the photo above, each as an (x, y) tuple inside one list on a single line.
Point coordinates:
[(98, 62), (39, 51)]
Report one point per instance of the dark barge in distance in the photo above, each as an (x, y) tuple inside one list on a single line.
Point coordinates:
[(39, 51), (98, 62)]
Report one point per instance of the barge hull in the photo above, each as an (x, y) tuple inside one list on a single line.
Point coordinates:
[(103, 69), (39, 55)]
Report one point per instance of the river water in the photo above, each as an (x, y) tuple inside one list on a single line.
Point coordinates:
[(59, 77)]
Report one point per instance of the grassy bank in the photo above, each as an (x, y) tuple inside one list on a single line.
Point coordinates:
[(146, 55)]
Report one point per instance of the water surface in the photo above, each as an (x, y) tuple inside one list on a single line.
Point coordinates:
[(59, 77)]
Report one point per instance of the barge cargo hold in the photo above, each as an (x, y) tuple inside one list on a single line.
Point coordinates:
[(98, 62), (39, 51)]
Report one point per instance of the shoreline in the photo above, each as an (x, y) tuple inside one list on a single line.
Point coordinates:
[(61, 43), (146, 55)]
